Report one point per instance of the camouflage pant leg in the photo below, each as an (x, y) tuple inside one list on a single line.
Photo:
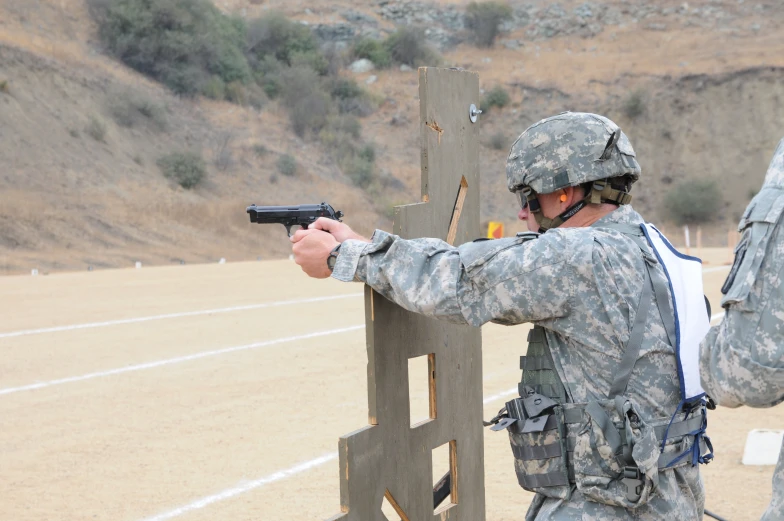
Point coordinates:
[(681, 495), (775, 511)]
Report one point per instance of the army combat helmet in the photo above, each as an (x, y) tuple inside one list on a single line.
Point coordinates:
[(572, 149)]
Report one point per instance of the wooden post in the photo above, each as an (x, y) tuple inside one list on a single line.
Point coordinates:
[(390, 458)]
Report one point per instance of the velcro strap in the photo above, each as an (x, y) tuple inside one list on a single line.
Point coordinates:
[(550, 479), (541, 423), (680, 428), (601, 418), (536, 404), (529, 453)]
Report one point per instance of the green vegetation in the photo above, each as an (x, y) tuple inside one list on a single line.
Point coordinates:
[(496, 97), (96, 129), (187, 169), (372, 50), (405, 46), (484, 19), (260, 150), (195, 49), (287, 165), (4, 86), (634, 105), (129, 108), (498, 141), (694, 202)]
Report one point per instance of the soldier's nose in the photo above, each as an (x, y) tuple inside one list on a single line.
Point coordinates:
[(523, 214)]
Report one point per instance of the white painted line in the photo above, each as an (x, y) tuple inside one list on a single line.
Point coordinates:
[(715, 268), (498, 396), (179, 359), (245, 487), (241, 488), (175, 315)]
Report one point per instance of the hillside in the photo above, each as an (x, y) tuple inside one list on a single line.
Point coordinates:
[(708, 77)]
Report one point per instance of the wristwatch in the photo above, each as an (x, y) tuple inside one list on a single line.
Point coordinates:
[(333, 257)]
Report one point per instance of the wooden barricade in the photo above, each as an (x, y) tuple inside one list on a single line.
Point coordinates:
[(390, 458)]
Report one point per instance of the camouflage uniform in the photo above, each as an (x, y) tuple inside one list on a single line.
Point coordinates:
[(742, 359), (582, 285)]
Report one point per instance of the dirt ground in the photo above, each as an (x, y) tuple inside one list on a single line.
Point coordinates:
[(230, 424)]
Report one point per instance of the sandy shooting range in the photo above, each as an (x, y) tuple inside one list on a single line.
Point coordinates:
[(218, 392)]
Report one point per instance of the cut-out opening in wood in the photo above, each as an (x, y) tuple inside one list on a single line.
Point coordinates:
[(422, 389), (462, 191), (444, 477), (390, 508)]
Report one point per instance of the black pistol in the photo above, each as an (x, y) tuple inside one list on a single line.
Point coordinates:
[(289, 216)]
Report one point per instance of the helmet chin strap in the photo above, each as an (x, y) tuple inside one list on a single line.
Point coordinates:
[(601, 192)]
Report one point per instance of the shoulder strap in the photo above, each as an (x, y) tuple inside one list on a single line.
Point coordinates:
[(659, 288), (632, 352)]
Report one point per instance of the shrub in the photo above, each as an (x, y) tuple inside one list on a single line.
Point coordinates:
[(367, 152), (214, 89), (260, 150), (496, 97), (287, 165), (372, 50), (361, 172), (634, 106), (694, 202), (274, 35), (187, 169), (307, 104), (498, 141), (346, 124), (351, 98), (182, 43), (4, 86), (96, 129), (130, 108), (483, 19), (408, 46)]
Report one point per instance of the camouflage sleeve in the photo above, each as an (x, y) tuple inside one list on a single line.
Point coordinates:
[(508, 281), (742, 358)]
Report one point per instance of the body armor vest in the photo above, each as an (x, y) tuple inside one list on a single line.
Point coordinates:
[(605, 448)]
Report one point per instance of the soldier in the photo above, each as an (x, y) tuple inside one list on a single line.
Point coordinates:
[(604, 427), (742, 359)]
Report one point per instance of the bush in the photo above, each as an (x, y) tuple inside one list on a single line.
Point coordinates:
[(308, 105), (498, 141), (496, 97), (260, 150), (130, 108), (372, 50), (408, 46), (367, 152), (182, 43), (96, 129), (634, 106), (287, 165), (214, 89), (484, 20), (4, 86), (187, 169), (694, 202), (274, 35), (361, 172)]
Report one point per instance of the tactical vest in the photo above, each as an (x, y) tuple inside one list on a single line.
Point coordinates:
[(604, 448)]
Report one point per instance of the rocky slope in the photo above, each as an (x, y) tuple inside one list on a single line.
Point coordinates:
[(708, 76)]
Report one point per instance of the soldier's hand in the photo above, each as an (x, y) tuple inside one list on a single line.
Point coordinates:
[(340, 231), (311, 249)]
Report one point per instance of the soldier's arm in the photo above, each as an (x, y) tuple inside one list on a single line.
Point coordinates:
[(506, 280), (742, 358)]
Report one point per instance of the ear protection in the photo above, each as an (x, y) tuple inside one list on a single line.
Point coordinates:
[(563, 198)]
